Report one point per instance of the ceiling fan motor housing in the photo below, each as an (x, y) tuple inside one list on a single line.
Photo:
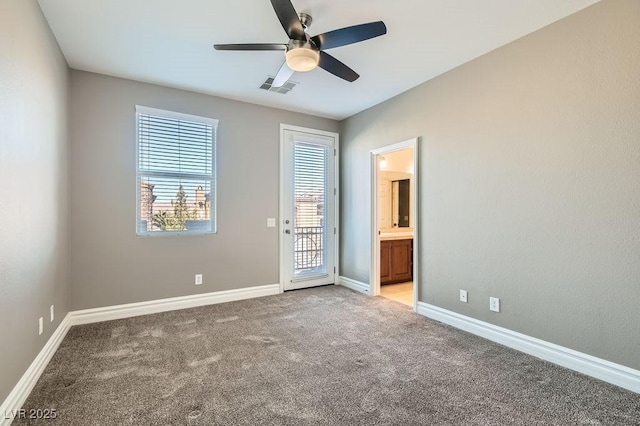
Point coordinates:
[(305, 20), (303, 55)]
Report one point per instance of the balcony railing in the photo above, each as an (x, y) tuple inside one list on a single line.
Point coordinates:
[(308, 247)]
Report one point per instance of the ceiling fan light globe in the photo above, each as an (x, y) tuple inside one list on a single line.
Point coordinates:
[(302, 59)]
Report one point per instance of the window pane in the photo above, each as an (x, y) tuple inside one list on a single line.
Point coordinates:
[(176, 176), (167, 145), (310, 179), (168, 204)]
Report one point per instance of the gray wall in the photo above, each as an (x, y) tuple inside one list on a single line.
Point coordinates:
[(110, 264), (530, 185), (34, 252)]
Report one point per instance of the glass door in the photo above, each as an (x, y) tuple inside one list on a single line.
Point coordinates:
[(308, 222)]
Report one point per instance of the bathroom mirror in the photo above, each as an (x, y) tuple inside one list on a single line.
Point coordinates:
[(400, 190)]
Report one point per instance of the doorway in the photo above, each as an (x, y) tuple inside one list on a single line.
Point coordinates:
[(308, 207), (394, 224)]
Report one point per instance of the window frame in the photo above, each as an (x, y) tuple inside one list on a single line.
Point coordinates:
[(139, 109)]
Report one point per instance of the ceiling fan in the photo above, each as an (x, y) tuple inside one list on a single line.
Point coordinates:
[(305, 53)]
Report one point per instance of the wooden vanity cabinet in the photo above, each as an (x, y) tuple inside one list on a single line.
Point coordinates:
[(396, 261)]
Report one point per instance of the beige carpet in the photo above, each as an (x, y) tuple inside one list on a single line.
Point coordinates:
[(324, 356)]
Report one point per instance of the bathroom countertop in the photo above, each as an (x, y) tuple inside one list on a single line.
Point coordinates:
[(397, 235)]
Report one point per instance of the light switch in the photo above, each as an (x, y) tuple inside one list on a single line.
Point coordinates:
[(271, 222)]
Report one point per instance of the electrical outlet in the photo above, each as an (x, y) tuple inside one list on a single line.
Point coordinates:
[(40, 326), (271, 222), (51, 314), (463, 296), (494, 304), (198, 279)]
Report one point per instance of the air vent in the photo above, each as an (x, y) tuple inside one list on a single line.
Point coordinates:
[(286, 88)]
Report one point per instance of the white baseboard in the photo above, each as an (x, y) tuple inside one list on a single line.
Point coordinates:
[(354, 285), (19, 394), (604, 370), (25, 385), (87, 316)]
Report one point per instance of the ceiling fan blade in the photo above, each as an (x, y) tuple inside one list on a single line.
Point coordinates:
[(349, 35), (283, 75), (337, 68), (289, 19), (254, 46)]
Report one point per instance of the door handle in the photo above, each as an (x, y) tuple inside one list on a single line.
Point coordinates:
[(287, 231)]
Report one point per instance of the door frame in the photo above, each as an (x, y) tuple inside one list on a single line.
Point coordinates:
[(374, 281), (282, 207)]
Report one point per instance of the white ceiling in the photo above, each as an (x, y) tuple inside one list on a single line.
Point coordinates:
[(169, 42)]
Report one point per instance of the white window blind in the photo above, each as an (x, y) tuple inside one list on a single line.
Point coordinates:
[(176, 176), (310, 192)]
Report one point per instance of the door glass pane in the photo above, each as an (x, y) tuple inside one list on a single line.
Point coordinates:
[(310, 194)]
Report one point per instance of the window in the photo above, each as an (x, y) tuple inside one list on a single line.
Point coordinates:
[(176, 174)]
